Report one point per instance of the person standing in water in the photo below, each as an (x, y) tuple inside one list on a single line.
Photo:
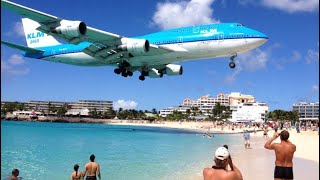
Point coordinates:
[(14, 174), (92, 168), (76, 175)]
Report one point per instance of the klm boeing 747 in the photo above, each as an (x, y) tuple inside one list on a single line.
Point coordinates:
[(153, 55)]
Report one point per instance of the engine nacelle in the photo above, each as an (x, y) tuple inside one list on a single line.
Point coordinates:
[(153, 73), (173, 69), (135, 46), (71, 28)]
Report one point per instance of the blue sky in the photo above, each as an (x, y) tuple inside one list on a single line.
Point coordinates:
[(283, 71)]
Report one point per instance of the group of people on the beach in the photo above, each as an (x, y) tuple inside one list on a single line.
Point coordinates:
[(283, 164)]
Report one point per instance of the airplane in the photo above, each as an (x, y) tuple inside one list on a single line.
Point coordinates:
[(153, 55)]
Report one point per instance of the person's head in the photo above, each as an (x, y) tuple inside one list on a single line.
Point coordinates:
[(15, 172), (92, 157), (284, 135), (76, 167), (221, 157)]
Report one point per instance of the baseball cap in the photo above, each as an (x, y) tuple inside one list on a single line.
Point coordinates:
[(222, 153)]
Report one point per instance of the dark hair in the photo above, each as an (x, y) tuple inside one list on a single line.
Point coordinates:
[(15, 171), (76, 167), (92, 158), (284, 135)]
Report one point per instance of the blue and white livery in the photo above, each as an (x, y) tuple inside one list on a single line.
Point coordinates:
[(152, 55)]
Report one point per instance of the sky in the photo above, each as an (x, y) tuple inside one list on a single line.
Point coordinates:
[(283, 71)]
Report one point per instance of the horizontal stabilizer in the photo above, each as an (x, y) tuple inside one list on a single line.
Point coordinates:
[(23, 48)]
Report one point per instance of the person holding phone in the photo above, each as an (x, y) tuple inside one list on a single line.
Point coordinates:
[(219, 171)]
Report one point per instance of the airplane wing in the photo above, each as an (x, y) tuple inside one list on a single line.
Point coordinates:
[(106, 46)]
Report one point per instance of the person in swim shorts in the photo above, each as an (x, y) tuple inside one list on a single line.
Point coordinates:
[(246, 136), (284, 154), (92, 168)]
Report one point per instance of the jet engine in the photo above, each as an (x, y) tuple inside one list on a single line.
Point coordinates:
[(135, 46), (153, 73), (71, 28), (173, 69)]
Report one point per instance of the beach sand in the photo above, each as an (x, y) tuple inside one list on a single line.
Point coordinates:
[(257, 163)]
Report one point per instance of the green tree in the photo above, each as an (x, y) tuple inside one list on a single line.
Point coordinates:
[(154, 111), (93, 113)]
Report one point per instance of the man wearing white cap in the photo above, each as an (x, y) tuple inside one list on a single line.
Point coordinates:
[(219, 171)]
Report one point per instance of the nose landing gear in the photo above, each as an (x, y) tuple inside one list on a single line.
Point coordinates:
[(232, 64)]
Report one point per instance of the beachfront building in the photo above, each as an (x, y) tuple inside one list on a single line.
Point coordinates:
[(98, 105), (165, 112), (73, 108), (307, 111), (205, 104), (44, 106), (249, 112)]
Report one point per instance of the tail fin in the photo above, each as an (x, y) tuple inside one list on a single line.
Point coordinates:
[(34, 37)]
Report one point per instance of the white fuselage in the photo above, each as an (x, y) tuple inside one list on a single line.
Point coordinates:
[(185, 51)]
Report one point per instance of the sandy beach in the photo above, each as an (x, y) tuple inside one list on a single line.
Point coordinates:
[(258, 162)]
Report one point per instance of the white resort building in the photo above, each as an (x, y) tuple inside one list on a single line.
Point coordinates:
[(249, 112), (307, 111), (242, 106)]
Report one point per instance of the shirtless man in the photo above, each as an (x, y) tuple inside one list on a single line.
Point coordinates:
[(284, 155), (222, 159), (15, 174), (92, 168)]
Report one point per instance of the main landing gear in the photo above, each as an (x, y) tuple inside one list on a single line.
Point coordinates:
[(142, 76), (123, 69), (232, 64)]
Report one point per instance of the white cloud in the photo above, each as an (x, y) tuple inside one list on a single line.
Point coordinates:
[(13, 66), (125, 104), (16, 60), (183, 13), (250, 61), (296, 56), (293, 5), (315, 89), (17, 29), (312, 56), (281, 62)]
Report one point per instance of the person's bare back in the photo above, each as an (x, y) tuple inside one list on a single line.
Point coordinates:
[(284, 154), (92, 169), (212, 174)]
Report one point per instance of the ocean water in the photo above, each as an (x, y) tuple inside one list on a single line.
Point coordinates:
[(50, 150)]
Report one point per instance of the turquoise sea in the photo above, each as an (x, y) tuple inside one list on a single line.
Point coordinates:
[(50, 150)]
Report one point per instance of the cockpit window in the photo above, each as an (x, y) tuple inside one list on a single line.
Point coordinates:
[(239, 24)]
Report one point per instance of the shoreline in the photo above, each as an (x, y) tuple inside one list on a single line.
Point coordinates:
[(193, 126)]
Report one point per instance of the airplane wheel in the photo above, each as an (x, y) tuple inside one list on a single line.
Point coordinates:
[(124, 74), (142, 78), (117, 71), (130, 73), (232, 65), (161, 75)]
